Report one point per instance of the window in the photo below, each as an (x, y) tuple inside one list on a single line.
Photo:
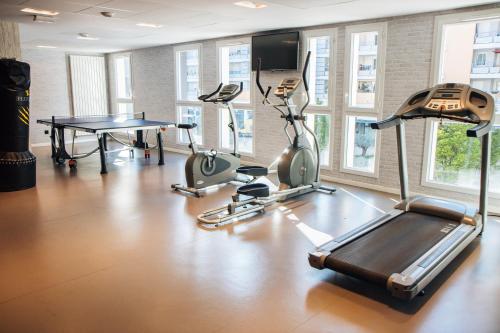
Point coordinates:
[(321, 44), (188, 75), (452, 159), (319, 71), (190, 115), (363, 69), (481, 59), (188, 88), (363, 90), (88, 85), (244, 122), (234, 67), (320, 124), (123, 84), (361, 143)]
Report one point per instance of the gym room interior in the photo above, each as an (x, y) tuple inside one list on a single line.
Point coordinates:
[(249, 166)]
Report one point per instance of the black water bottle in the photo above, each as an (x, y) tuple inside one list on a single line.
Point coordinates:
[(17, 163)]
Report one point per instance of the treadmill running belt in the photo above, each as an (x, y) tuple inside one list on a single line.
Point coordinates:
[(390, 248)]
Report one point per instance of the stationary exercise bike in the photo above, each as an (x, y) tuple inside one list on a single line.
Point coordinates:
[(210, 167), (298, 168)]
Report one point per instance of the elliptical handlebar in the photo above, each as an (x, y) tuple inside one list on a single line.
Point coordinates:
[(257, 79), (306, 84), (304, 71), (203, 98)]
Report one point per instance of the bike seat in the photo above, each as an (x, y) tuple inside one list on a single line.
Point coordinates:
[(254, 171), (256, 190), (187, 126)]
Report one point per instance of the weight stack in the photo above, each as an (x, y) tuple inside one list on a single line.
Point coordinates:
[(17, 163)]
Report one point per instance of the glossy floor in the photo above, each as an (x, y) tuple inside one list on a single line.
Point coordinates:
[(122, 253)]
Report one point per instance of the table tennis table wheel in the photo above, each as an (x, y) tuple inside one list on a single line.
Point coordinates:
[(72, 164)]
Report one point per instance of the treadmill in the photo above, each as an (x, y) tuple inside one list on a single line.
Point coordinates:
[(406, 248)]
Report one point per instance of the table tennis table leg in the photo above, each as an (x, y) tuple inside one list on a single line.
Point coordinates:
[(102, 152), (161, 160), (53, 141)]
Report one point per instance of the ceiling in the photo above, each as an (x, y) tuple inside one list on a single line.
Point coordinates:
[(189, 20)]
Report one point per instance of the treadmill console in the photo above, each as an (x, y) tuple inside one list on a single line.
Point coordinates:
[(290, 85), (445, 100)]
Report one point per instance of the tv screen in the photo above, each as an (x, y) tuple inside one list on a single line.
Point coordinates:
[(278, 51)]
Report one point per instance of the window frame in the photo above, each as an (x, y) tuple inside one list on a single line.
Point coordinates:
[(179, 103), (437, 59), (118, 100), (236, 106), (332, 84), (377, 110)]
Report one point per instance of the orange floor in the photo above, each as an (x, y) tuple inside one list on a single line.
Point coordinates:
[(122, 253)]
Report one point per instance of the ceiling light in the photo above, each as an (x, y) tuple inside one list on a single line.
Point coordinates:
[(40, 11), (86, 36), (149, 25), (43, 19), (250, 4), (46, 47), (108, 14)]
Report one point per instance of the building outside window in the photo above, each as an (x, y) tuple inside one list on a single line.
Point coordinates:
[(453, 158)]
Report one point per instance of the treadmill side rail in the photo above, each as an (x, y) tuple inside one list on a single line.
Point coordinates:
[(411, 281)]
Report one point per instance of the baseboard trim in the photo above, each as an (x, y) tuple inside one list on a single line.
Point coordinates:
[(493, 209)]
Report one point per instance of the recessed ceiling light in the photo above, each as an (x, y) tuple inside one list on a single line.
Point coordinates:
[(46, 47), (149, 25), (108, 14), (39, 11), (86, 36), (250, 4)]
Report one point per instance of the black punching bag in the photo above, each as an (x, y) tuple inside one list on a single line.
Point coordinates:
[(17, 163)]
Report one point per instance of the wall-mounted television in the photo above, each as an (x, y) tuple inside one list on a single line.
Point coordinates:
[(278, 51)]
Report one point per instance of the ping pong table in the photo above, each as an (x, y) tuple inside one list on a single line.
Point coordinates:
[(103, 127)]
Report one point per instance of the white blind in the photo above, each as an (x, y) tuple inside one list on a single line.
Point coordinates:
[(88, 85)]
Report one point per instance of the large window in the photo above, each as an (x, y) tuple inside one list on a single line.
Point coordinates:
[(123, 84), (321, 44), (244, 122), (467, 51), (188, 88), (363, 90), (361, 139), (234, 67)]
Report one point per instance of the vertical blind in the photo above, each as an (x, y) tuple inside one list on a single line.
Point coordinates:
[(88, 85)]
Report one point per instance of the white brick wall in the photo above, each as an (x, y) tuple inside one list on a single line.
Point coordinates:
[(49, 92)]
